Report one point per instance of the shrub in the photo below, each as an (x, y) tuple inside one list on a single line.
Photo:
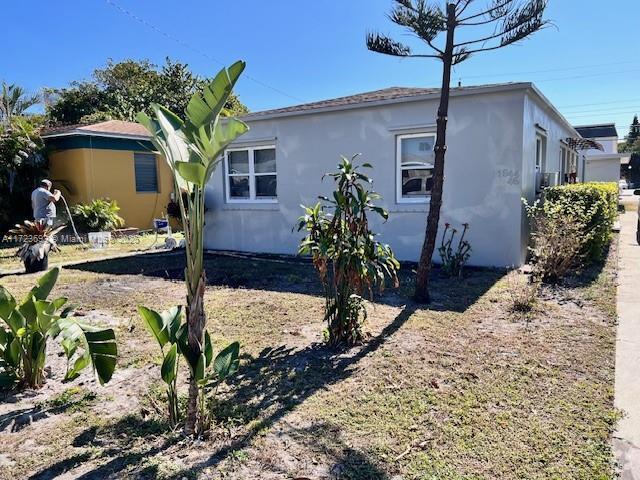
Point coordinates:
[(557, 242), (453, 261), (345, 253), (593, 205), (523, 291), (97, 216), (33, 322)]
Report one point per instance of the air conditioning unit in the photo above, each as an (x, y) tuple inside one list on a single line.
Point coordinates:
[(546, 180)]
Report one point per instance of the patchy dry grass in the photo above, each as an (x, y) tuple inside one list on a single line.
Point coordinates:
[(466, 389)]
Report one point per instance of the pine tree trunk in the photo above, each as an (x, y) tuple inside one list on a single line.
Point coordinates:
[(424, 266)]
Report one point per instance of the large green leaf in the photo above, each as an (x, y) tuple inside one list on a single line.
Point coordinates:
[(104, 352), (16, 321), (183, 346), (7, 303), (227, 361), (99, 346), (169, 369), (172, 319), (155, 323), (192, 172), (44, 285), (208, 348), (204, 108)]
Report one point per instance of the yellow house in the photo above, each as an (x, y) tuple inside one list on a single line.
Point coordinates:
[(113, 159)]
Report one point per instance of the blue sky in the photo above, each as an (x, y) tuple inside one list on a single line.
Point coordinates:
[(296, 51)]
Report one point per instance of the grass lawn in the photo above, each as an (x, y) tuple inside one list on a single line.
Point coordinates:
[(72, 253), (465, 389)]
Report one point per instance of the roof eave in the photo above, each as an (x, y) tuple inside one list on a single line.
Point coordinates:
[(89, 133), (377, 103), (553, 109)]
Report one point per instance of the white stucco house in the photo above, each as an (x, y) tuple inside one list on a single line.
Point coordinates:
[(602, 166), (504, 141)]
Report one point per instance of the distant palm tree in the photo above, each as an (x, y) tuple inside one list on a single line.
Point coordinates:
[(14, 101)]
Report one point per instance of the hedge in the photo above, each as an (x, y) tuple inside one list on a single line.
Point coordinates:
[(595, 204)]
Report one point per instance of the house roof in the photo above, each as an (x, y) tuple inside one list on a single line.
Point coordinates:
[(110, 128), (386, 95), (606, 130)]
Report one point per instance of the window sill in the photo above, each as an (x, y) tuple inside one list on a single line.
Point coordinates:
[(408, 207), (268, 206)]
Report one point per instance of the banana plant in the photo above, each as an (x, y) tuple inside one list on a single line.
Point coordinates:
[(173, 338), (193, 148), (35, 320)]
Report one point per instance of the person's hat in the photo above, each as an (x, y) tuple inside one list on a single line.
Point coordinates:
[(46, 182)]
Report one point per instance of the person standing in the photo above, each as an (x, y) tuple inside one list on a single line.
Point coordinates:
[(43, 203)]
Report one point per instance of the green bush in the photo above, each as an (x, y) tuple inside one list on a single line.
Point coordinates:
[(99, 215), (594, 205)]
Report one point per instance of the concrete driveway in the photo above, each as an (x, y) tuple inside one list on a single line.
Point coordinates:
[(626, 441)]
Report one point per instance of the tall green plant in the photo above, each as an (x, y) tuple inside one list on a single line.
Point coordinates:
[(193, 149), (173, 337), (33, 322), (344, 251)]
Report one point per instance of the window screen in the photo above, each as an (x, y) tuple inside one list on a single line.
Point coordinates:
[(146, 172)]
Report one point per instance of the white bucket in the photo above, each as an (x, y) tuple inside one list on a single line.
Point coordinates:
[(99, 240)]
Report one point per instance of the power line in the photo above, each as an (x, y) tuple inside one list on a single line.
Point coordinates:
[(600, 103), (193, 49), (609, 114), (577, 67), (592, 110)]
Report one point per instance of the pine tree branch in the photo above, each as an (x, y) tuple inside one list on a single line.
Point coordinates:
[(379, 43), (484, 22), (496, 7)]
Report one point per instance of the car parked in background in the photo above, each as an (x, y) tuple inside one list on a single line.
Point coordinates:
[(637, 192)]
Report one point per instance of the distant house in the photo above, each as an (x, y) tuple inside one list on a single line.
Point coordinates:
[(505, 142), (113, 159), (602, 166)]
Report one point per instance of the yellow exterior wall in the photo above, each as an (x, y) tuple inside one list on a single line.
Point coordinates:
[(69, 172), (98, 173)]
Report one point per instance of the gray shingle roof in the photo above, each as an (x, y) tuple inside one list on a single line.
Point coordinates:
[(597, 131), (392, 93)]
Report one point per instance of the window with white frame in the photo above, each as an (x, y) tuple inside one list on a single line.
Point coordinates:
[(251, 174), (541, 152), (415, 159), (564, 164)]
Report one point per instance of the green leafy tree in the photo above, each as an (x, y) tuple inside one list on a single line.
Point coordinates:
[(487, 25), (21, 157), (14, 101), (193, 149), (121, 90), (344, 251), (634, 131)]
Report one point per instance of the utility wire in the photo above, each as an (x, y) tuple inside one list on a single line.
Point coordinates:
[(530, 72), (184, 44)]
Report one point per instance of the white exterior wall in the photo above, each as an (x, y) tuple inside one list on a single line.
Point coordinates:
[(483, 175), (602, 169), (601, 166)]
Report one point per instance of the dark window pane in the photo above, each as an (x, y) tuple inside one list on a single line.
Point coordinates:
[(239, 162), (145, 172), (265, 160), (416, 183), (266, 186), (239, 187)]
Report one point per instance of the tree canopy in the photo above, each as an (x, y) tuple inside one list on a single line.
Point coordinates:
[(120, 90)]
